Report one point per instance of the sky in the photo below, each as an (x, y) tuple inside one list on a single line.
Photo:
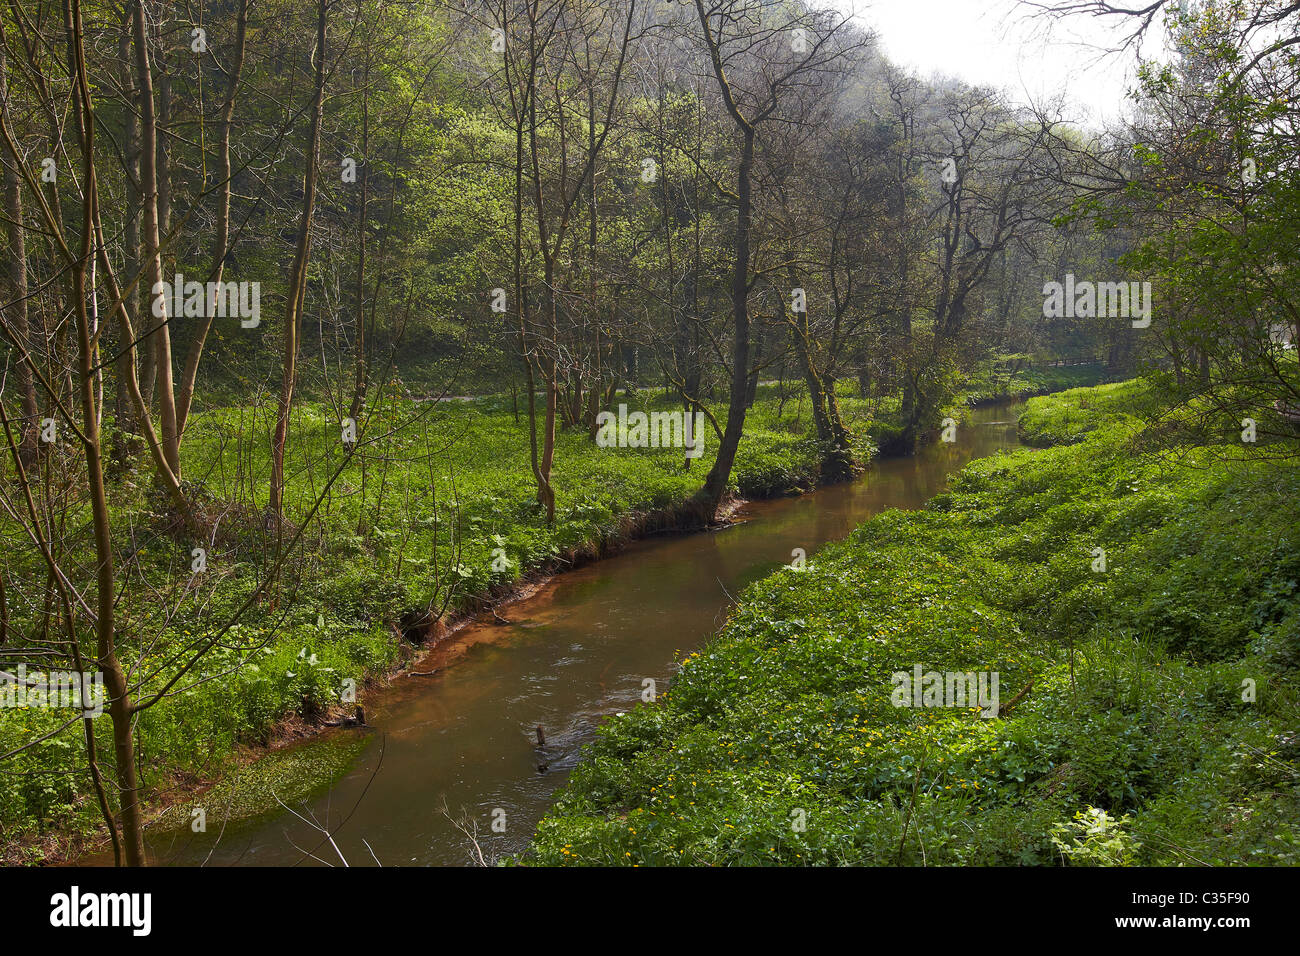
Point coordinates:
[(995, 42)]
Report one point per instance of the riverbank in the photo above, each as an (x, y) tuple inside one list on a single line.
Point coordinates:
[(354, 611), (574, 653), (301, 758), (989, 385), (1134, 591), (367, 600)]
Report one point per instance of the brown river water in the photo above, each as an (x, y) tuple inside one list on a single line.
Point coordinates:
[(576, 652)]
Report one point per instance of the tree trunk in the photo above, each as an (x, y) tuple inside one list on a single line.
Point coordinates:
[(159, 339), (125, 408), (298, 278), (17, 286), (119, 701), (221, 243), (715, 484), (361, 369)]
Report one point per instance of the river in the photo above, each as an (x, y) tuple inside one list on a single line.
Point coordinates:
[(577, 650)]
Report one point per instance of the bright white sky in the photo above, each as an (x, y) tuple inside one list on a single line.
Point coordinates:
[(995, 42)]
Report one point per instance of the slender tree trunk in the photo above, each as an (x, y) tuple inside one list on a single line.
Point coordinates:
[(160, 338), (298, 278), (542, 469), (530, 382), (120, 707), (360, 378), (221, 243), (125, 408), (715, 484), (16, 292)]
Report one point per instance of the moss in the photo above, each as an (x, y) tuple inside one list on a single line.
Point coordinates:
[(293, 775)]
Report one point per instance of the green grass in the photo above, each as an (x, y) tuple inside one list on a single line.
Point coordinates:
[(993, 383), (437, 511), (290, 776), (1136, 742)]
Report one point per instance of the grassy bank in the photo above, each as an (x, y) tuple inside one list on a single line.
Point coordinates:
[(1148, 711), (993, 382), (433, 516)]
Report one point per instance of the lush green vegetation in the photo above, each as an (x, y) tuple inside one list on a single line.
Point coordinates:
[(1148, 710), (1015, 377), (233, 500), (442, 521)]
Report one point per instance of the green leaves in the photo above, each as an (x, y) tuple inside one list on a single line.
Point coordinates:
[(1128, 734)]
